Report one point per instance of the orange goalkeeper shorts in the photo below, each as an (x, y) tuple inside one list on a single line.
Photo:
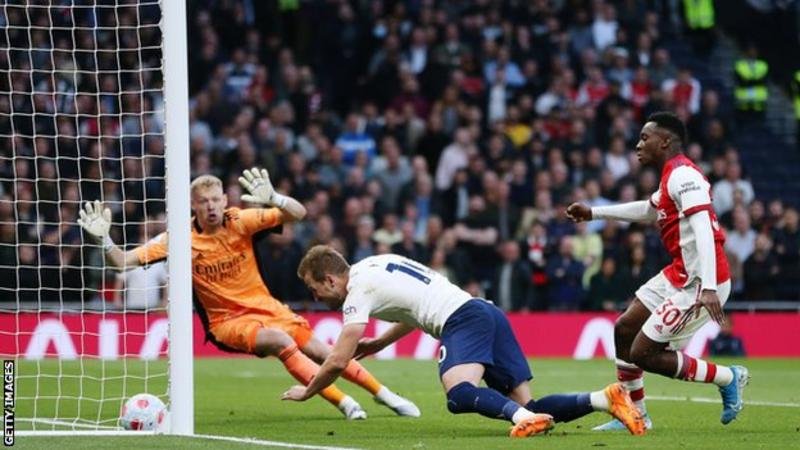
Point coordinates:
[(240, 332)]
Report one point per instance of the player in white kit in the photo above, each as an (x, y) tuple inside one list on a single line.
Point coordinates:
[(674, 304), (477, 342)]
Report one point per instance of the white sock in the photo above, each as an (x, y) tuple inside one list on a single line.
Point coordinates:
[(724, 376), (388, 397), (599, 401), (521, 415), (702, 371), (348, 403)]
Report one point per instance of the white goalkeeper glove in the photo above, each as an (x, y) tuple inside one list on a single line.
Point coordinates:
[(260, 189), (96, 220)]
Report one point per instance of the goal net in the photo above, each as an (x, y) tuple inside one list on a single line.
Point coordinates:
[(83, 118)]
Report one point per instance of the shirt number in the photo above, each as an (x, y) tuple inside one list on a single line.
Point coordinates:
[(391, 267)]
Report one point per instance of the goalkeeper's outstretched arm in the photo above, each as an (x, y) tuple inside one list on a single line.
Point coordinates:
[(260, 191), (96, 221)]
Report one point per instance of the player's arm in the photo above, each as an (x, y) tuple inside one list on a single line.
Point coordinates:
[(96, 221), (393, 334), (260, 191), (690, 192), (639, 211), (333, 366)]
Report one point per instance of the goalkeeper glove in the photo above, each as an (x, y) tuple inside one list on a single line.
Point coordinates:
[(96, 221), (260, 189)]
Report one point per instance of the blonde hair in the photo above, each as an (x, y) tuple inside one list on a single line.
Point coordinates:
[(321, 260), (205, 182)]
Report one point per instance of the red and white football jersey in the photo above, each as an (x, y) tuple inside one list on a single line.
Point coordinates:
[(684, 191)]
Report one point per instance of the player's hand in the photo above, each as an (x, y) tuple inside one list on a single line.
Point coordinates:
[(579, 212), (95, 219), (368, 346), (260, 189), (295, 393), (710, 301)]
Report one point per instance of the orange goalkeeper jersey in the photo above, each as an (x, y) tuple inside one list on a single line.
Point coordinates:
[(225, 276)]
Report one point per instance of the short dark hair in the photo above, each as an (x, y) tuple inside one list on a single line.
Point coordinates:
[(670, 122)]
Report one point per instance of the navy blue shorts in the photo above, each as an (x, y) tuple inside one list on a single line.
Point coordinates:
[(479, 332)]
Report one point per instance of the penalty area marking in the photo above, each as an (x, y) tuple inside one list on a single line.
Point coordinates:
[(264, 443), (717, 400)]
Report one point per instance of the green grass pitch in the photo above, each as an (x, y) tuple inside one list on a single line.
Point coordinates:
[(240, 398)]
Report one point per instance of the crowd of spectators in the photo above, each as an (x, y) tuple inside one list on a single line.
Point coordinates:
[(452, 132)]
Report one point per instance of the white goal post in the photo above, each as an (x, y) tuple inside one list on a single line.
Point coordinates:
[(176, 79), (88, 85)]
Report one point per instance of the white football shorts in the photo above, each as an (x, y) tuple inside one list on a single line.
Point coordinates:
[(669, 305)]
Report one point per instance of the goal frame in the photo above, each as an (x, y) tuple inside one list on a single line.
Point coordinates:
[(179, 287)]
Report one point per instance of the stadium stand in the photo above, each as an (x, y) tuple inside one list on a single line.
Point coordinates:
[(444, 130)]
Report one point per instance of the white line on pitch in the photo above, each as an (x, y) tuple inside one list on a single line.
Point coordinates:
[(717, 400), (267, 443)]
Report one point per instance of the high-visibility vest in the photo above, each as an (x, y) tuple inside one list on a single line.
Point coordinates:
[(751, 89), (699, 14), (288, 5), (796, 92)]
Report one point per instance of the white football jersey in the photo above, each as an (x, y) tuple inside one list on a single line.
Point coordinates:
[(684, 191), (397, 289)]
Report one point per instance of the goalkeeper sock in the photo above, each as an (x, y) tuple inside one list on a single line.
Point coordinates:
[(563, 407), (632, 377), (303, 370), (700, 370), (356, 373), (467, 398)]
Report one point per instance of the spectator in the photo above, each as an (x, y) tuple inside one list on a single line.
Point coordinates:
[(606, 288), (354, 140), (144, 287), (723, 190), (604, 28), (392, 172), (455, 156), (761, 269), (363, 246), (740, 241), (511, 284), (503, 64), (726, 343), (408, 247), (588, 249), (564, 275), (684, 90)]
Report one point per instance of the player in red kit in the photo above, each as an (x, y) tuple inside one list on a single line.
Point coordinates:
[(674, 304)]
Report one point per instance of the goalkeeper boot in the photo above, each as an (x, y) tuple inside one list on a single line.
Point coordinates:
[(622, 408), (400, 405), (732, 401), (537, 424), (351, 409)]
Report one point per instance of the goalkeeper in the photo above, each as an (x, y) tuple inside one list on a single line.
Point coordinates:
[(234, 303)]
